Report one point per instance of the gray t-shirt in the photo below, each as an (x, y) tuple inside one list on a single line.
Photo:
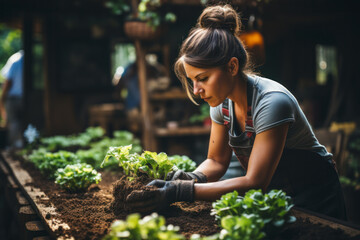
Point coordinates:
[(272, 105)]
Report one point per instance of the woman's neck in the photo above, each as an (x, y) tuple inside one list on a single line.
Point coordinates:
[(239, 93)]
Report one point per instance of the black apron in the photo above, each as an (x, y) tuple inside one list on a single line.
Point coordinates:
[(310, 179)]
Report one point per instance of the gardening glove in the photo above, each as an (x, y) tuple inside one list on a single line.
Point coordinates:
[(158, 199), (199, 177)]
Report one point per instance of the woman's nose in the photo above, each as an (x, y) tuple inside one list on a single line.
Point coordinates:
[(197, 88)]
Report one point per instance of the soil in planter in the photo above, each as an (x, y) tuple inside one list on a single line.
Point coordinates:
[(190, 217), (90, 214)]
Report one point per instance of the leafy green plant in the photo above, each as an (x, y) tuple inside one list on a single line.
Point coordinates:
[(82, 140), (10, 43), (204, 113), (229, 204), (118, 7), (351, 173), (77, 177), (244, 227), (273, 207), (48, 162), (152, 12), (155, 165), (183, 163), (95, 155), (150, 227)]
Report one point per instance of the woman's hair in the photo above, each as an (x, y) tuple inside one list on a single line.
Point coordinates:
[(212, 43)]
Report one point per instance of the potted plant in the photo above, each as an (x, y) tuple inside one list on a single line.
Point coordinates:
[(147, 20), (150, 22)]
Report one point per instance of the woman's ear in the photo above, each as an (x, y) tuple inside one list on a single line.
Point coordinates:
[(233, 66)]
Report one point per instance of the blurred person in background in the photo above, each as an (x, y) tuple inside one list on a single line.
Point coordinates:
[(11, 105)]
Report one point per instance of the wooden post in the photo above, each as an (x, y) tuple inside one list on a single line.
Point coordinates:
[(148, 135)]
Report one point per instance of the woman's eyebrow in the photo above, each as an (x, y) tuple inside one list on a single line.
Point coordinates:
[(200, 74)]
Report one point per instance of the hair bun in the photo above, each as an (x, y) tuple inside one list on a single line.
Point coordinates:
[(220, 17)]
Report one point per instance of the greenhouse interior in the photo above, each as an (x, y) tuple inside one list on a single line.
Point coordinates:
[(179, 119)]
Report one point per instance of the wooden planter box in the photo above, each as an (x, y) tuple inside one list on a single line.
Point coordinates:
[(41, 216)]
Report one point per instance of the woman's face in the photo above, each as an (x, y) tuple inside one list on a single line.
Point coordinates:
[(213, 85)]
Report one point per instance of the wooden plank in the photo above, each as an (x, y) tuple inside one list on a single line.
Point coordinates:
[(12, 183), (42, 238), (21, 198), (34, 229), (36, 197), (316, 218), (26, 214), (4, 169), (34, 226)]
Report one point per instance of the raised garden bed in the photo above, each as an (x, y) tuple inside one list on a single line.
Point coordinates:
[(89, 215)]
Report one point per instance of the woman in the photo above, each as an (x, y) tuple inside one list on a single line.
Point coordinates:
[(257, 118)]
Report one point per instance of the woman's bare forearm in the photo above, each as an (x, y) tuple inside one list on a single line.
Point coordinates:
[(214, 190), (212, 169)]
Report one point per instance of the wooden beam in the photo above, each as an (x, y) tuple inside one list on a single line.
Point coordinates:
[(148, 136), (38, 199)]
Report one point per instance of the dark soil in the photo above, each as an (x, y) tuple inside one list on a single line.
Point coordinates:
[(90, 214)]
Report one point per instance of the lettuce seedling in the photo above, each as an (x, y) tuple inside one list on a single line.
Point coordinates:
[(155, 165), (77, 177), (95, 155), (48, 162), (150, 227), (82, 140), (244, 227), (158, 164), (273, 207), (183, 163)]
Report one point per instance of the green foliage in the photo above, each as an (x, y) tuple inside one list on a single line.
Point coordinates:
[(183, 163), (152, 12), (48, 162), (150, 227), (118, 7), (155, 165), (77, 177), (351, 175), (10, 43), (204, 113), (244, 227), (81, 140), (95, 155), (273, 207), (229, 204)]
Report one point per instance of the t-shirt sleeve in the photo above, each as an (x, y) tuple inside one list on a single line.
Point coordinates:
[(216, 114), (273, 109), (9, 75), (5, 71)]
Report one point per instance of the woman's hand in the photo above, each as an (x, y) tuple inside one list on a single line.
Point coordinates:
[(158, 199)]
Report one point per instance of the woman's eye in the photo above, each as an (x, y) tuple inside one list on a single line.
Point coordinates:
[(203, 79)]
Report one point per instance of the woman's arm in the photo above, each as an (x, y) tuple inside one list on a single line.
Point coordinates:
[(219, 153), (264, 159)]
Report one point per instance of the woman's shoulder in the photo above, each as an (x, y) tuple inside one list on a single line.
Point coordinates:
[(265, 88), (265, 85), (216, 114)]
